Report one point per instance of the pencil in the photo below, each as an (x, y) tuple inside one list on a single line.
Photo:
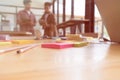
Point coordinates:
[(14, 48), (26, 48)]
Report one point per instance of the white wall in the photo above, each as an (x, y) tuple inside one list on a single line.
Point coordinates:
[(35, 3)]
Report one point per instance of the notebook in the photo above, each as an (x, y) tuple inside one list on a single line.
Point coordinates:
[(110, 13)]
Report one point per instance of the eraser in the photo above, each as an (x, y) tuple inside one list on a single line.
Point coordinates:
[(63, 38)]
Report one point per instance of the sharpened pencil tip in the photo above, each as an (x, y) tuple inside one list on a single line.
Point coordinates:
[(18, 52)]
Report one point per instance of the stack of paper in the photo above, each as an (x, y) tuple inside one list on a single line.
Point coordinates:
[(56, 45)]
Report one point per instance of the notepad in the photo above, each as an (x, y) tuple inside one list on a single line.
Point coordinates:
[(2, 43), (22, 41), (75, 37), (80, 44), (56, 45)]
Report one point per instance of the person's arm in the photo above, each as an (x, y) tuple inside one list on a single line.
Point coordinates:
[(34, 21), (42, 21), (19, 18)]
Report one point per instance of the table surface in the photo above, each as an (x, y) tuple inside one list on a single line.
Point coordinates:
[(72, 22), (93, 62)]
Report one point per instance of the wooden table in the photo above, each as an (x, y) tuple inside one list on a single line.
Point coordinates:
[(15, 33), (72, 23), (92, 62)]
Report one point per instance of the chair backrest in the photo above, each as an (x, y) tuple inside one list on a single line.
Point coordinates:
[(94, 35)]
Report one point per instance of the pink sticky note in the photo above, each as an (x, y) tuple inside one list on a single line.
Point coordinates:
[(56, 45)]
